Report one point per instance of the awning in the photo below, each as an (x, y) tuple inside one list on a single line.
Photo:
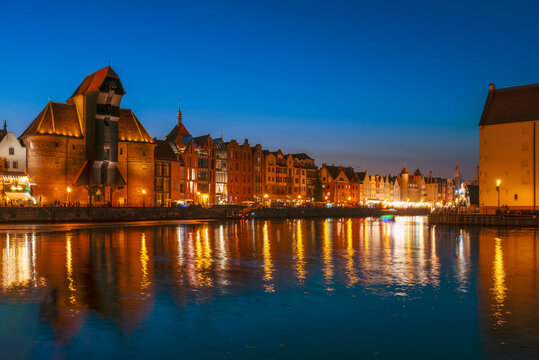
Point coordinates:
[(15, 195)]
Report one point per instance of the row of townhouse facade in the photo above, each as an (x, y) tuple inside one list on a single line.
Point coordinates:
[(343, 185), (89, 150)]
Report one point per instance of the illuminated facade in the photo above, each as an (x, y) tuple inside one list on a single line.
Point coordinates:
[(89, 150), (339, 184), (507, 148)]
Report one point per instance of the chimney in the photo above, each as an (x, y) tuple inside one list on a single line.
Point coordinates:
[(491, 86)]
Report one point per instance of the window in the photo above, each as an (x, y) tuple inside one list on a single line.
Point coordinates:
[(56, 144), (15, 164), (121, 151), (11, 151), (516, 196), (73, 146), (6, 164)]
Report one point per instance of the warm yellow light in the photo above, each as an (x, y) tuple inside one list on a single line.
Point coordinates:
[(266, 196), (326, 197), (498, 182), (299, 196), (144, 191), (349, 198), (198, 193), (68, 189)]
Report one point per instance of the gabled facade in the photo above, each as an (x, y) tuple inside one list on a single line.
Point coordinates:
[(340, 184)]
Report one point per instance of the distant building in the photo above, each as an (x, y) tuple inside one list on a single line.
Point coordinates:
[(508, 148)]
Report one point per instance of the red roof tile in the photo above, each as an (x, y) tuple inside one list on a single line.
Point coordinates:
[(94, 81)]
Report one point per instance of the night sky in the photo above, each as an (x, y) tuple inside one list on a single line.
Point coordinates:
[(373, 85)]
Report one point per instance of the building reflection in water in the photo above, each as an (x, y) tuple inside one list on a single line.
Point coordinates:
[(268, 263), (498, 279), (117, 272), (327, 253), (299, 253)]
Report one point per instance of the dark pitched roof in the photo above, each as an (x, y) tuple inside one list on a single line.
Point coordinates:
[(302, 156), (164, 151), (334, 171), (512, 104), (350, 174), (361, 175), (201, 140), (219, 144), (94, 81)]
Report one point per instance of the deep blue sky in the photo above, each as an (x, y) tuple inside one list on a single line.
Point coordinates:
[(373, 85)]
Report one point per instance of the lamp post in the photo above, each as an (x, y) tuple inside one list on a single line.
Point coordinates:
[(143, 198), (498, 182), (68, 193)]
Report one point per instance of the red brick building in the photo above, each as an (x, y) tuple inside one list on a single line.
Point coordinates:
[(240, 172), (88, 149)]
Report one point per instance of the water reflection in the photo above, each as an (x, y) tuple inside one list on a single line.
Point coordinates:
[(119, 274)]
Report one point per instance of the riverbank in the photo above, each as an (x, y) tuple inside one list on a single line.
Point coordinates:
[(10, 215), (483, 220)]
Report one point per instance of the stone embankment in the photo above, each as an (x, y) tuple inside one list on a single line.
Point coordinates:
[(10, 215), (483, 220)]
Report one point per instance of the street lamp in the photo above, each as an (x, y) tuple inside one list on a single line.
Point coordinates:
[(498, 182), (68, 193), (143, 198)]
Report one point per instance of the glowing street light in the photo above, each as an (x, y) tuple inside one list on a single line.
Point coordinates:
[(143, 198), (68, 193)]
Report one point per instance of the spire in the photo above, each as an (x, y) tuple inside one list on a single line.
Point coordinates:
[(179, 115), (5, 126)]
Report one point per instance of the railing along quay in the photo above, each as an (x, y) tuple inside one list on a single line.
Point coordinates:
[(483, 219)]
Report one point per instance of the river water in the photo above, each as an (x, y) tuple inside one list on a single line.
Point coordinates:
[(292, 289)]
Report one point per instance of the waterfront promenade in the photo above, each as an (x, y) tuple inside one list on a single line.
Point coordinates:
[(499, 220), (115, 214)]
